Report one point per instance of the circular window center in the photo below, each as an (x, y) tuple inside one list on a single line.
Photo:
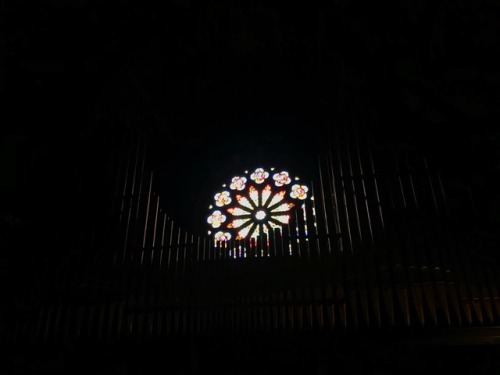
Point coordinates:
[(260, 215)]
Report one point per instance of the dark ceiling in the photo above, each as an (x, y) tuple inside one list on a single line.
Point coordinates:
[(232, 81)]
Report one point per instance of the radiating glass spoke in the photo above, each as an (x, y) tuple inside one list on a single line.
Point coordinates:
[(237, 211), (278, 197)]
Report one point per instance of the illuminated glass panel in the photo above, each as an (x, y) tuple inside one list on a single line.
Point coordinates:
[(222, 199), (222, 236), (266, 193), (256, 202), (243, 233), (237, 223), (253, 233), (277, 198), (259, 176), (260, 215), (244, 202), (254, 195), (238, 211), (238, 183), (283, 207), (216, 219), (281, 178), (299, 191)]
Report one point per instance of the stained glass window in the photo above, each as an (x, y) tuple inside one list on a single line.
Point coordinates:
[(254, 203)]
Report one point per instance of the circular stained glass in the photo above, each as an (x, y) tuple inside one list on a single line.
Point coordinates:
[(253, 203)]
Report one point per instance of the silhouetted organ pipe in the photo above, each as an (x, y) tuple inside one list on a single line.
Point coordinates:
[(265, 281), (146, 219), (346, 210), (354, 193), (315, 222), (155, 226), (398, 175), (365, 197), (323, 202), (431, 185), (129, 199), (122, 201), (333, 197), (375, 184), (140, 178), (411, 182), (170, 245)]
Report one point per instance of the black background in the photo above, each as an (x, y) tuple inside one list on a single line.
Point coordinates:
[(222, 86), (230, 85)]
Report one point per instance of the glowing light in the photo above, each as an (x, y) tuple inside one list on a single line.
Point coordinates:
[(221, 236), (216, 219), (222, 199), (266, 193), (251, 210), (237, 223), (299, 191), (237, 211), (254, 195), (283, 207), (244, 201), (281, 178), (278, 197), (259, 176), (243, 233), (238, 183), (260, 215)]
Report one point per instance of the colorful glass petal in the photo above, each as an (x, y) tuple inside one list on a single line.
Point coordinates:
[(254, 195), (244, 201), (237, 211), (238, 223), (244, 232), (278, 197), (238, 183), (266, 193), (283, 207), (222, 199), (299, 191), (259, 176), (216, 219), (222, 236), (282, 178)]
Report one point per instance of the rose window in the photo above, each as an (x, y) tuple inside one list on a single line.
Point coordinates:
[(254, 203)]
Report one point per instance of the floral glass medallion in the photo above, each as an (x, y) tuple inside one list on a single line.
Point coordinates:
[(254, 203)]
